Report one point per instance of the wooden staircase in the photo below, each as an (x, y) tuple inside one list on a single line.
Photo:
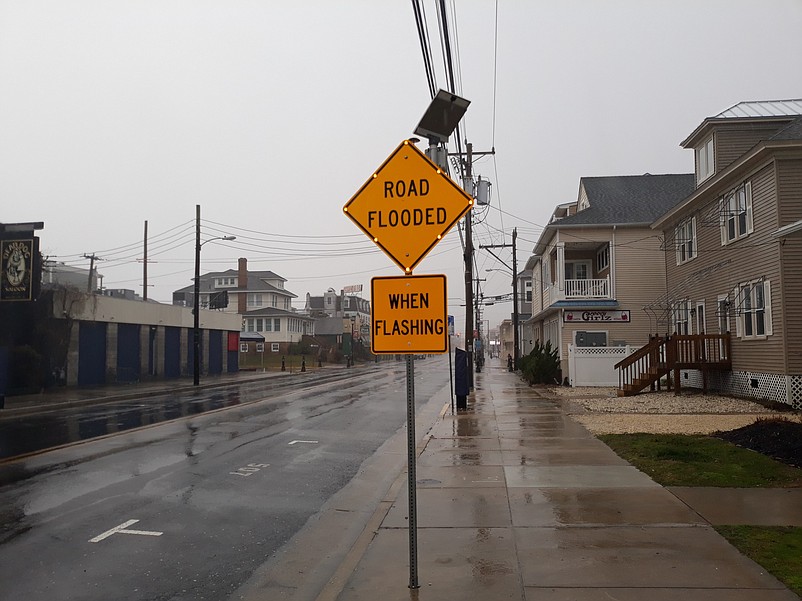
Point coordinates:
[(666, 354)]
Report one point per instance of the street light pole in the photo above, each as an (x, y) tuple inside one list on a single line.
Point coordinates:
[(196, 296)]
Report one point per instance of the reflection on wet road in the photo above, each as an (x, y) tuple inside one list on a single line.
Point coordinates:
[(32, 433)]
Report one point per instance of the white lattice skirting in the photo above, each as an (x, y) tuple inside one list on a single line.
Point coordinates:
[(771, 387)]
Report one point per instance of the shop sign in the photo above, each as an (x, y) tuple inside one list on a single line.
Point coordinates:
[(16, 271), (596, 316)]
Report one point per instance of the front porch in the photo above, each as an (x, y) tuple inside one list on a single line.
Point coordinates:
[(666, 354)]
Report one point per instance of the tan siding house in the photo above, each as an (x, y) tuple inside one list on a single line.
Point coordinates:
[(598, 263), (733, 252)]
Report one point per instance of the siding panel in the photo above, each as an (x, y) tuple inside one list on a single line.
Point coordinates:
[(789, 176), (639, 280), (718, 269), (732, 142)]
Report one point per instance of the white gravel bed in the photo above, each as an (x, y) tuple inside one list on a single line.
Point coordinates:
[(601, 411)]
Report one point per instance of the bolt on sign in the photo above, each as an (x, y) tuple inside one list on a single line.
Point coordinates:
[(408, 314), (407, 206)]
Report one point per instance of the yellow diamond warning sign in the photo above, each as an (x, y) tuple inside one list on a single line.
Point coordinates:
[(408, 314), (407, 206)]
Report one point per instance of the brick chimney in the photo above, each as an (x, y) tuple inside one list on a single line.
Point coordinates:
[(242, 285)]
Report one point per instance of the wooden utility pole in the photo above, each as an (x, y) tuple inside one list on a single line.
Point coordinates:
[(514, 268), (145, 266), (469, 271), (515, 334), (92, 258), (196, 302)]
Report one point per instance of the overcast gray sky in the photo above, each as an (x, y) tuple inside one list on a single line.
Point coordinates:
[(271, 114)]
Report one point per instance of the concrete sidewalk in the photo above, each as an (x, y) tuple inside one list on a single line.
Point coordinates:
[(517, 501)]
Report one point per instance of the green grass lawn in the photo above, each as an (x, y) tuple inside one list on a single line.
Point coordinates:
[(778, 549), (677, 460)]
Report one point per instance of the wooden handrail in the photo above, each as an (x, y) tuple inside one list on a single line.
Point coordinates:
[(679, 351), (654, 343)]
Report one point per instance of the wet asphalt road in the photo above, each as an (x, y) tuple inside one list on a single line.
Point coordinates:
[(198, 502)]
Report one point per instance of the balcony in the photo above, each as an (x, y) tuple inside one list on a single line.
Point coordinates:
[(587, 289)]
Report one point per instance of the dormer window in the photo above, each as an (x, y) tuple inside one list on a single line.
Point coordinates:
[(225, 282), (704, 161)]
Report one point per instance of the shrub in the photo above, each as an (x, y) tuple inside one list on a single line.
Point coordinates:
[(541, 365)]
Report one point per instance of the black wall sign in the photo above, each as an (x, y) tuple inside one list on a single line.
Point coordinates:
[(17, 269)]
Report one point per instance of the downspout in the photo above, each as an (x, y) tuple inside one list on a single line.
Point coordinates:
[(612, 265)]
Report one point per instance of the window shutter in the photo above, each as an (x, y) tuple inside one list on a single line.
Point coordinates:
[(678, 244), (722, 218), (694, 241), (750, 226), (738, 311), (767, 302)]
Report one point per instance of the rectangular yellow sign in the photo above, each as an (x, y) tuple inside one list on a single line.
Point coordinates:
[(408, 314)]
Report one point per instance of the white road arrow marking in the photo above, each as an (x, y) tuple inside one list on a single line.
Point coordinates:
[(123, 529), (304, 441)]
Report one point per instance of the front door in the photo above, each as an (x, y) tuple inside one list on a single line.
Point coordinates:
[(577, 270), (577, 274)]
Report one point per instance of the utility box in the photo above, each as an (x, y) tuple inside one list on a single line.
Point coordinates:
[(482, 192), (591, 338)]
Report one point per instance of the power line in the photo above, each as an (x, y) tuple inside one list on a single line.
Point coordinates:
[(426, 50)]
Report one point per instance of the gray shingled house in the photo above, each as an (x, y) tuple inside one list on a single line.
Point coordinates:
[(597, 264)]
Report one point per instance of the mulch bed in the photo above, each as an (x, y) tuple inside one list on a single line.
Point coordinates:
[(779, 439)]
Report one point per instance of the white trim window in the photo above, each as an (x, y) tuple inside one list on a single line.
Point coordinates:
[(603, 258), (681, 317), (736, 214), (723, 313), (753, 309), (705, 161), (701, 318), (685, 237)]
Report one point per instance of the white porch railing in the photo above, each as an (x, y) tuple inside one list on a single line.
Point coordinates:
[(599, 288), (577, 290)]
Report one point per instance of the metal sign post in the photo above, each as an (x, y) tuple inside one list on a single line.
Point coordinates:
[(412, 477)]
